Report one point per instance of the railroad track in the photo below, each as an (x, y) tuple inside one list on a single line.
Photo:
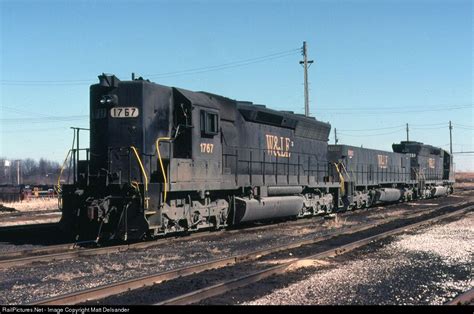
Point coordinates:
[(11, 222), (102, 292), (73, 250), (21, 214), (22, 220), (28, 227), (218, 289), (465, 298), (66, 250)]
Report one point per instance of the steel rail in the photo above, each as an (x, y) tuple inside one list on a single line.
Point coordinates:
[(71, 250), (465, 298), (135, 283), (22, 227), (7, 259), (68, 251), (10, 257), (33, 213), (63, 251), (49, 253), (29, 220), (218, 289)]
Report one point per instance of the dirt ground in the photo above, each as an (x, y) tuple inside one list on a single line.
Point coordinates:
[(464, 180), (464, 177), (34, 204)]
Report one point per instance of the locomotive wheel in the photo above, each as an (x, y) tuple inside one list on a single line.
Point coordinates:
[(328, 209)]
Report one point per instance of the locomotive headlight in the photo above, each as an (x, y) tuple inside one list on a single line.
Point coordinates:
[(109, 100)]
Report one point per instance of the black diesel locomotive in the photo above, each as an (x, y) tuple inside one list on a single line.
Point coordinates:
[(165, 159)]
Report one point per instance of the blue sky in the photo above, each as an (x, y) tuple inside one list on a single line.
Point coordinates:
[(378, 64)]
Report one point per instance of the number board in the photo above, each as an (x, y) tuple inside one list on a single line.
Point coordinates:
[(431, 163), (124, 112), (383, 161), (207, 148)]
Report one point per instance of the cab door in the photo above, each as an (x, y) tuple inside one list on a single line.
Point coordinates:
[(208, 148)]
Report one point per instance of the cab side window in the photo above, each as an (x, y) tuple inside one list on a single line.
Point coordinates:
[(209, 123)]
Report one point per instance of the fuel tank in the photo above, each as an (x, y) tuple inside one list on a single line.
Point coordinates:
[(284, 190), (388, 195), (439, 191), (266, 208)]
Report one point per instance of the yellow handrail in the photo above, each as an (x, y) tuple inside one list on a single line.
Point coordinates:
[(61, 171), (345, 170), (161, 164), (341, 177), (141, 166)]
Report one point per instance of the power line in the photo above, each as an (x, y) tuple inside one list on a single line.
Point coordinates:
[(376, 129), (397, 127), (463, 128), (227, 65), (44, 119), (30, 113), (223, 66), (431, 124), (365, 135), (430, 128), (378, 108), (454, 125), (377, 112), (464, 125), (23, 130), (462, 131), (45, 83)]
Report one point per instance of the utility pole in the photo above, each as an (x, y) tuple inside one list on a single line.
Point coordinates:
[(335, 137), (305, 63), (8, 166), (408, 131), (18, 172), (450, 138)]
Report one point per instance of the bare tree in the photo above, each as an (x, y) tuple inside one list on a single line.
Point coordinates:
[(33, 172), (29, 166)]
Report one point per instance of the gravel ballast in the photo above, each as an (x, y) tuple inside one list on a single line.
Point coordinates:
[(38, 281), (431, 265)]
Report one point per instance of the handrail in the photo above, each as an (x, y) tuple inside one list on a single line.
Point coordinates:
[(141, 166), (61, 171), (161, 164), (341, 177), (345, 170)]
